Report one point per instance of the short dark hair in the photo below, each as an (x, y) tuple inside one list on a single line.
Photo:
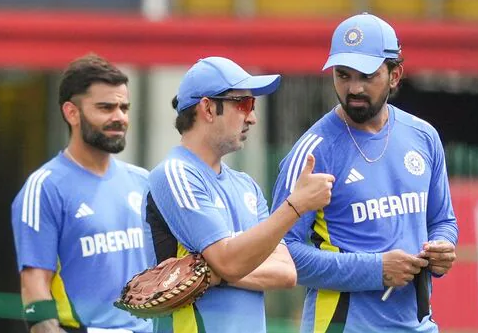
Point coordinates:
[(85, 71), (392, 64), (174, 102), (186, 118)]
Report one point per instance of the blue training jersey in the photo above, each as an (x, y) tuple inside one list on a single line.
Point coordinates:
[(397, 202), (200, 208), (88, 230)]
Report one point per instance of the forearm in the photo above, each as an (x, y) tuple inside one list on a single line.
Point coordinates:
[(441, 220), (244, 253), (277, 272), (40, 311), (336, 271), (266, 277), (35, 285), (447, 230)]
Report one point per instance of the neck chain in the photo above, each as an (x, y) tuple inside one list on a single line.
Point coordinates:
[(67, 152), (369, 160)]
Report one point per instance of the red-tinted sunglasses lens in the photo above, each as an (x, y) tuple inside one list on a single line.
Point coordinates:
[(246, 104)]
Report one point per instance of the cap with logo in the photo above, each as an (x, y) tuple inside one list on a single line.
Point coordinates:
[(214, 75), (363, 42)]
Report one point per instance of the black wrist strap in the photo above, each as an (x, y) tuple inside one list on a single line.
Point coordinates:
[(291, 205)]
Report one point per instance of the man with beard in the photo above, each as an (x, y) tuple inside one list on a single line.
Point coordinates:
[(390, 223), (197, 204), (77, 220)]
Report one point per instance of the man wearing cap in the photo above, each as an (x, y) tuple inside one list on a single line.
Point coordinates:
[(390, 214), (196, 203)]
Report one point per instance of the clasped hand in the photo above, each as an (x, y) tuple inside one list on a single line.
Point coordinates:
[(440, 255), (399, 267)]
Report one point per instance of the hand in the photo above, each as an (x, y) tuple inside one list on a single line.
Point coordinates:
[(312, 190), (166, 262), (47, 326), (399, 267), (440, 254)]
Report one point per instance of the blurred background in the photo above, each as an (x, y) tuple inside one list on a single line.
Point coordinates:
[(155, 41)]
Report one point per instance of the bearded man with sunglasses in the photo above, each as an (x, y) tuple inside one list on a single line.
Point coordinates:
[(197, 204), (390, 223)]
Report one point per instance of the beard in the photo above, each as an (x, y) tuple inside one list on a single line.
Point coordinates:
[(361, 114), (97, 139), (230, 145)]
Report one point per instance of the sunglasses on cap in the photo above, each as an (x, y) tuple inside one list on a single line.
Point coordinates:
[(243, 103)]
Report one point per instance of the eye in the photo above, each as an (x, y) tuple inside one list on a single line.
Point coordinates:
[(106, 107), (341, 74), (125, 108)]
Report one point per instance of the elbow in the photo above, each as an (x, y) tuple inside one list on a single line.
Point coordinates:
[(290, 279), (286, 277)]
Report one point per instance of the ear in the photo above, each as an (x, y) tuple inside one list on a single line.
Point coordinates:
[(71, 113), (206, 109), (396, 76)]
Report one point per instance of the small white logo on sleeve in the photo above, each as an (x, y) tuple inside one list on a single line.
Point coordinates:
[(414, 163), (250, 200), (134, 200), (30, 309)]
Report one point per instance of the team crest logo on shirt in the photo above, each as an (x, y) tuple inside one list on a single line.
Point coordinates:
[(414, 163), (353, 36), (134, 200), (251, 202)]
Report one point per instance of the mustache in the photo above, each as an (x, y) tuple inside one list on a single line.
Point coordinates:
[(357, 97), (115, 126)]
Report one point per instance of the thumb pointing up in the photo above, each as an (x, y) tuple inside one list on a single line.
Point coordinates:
[(309, 166), (312, 191)]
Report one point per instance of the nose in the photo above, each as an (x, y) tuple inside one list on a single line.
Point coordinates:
[(251, 118), (120, 115), (356, 87)]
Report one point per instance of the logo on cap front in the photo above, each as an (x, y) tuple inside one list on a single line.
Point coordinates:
[(353, 36)]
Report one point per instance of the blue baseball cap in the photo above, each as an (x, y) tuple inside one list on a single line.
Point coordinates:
[(363, 42), (214, 75)]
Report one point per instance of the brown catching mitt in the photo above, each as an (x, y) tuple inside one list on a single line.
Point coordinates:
[(158, 292)]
